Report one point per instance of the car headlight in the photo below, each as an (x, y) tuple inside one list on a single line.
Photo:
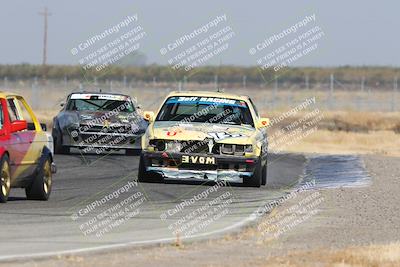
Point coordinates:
[(248, 148), (230, 149), (159, 145), (227, 149)]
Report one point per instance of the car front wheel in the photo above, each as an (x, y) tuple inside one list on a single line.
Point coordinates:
[(256, 179), (145, 176)]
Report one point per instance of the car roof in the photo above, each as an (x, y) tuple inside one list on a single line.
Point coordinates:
[(5, 94), (208, 94)]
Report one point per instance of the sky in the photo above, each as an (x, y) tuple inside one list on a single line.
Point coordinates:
[(354, 32)]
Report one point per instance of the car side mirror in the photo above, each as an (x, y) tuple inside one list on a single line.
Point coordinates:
[(62, 104), (263, 122), (18, 125), (148, 116), (44, 126)]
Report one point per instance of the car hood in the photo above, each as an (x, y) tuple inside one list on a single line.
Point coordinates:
[(221, 133)]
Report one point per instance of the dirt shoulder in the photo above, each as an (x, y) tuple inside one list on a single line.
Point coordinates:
[(342, 223)]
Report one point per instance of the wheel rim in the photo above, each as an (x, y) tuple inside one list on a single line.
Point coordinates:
[(47, 177), (5, 179)]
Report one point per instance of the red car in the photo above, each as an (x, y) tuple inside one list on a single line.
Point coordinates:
[(26, 150)]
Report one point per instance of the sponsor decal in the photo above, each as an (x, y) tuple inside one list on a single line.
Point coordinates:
[(207, 100), (224, 135), (198, 159), (171, 133), (99, 96)]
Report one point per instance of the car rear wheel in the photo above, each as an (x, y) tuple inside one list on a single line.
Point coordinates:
[(40, 188), (256, 178), (5, 182)]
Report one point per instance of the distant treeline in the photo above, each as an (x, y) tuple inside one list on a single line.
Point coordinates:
[(206, 74)]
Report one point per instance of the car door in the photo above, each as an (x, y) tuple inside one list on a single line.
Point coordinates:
[(22, 163)]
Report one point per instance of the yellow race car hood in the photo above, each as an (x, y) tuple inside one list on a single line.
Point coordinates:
[(221, 133)]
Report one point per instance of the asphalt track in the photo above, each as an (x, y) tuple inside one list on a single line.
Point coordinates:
[(62, 224)]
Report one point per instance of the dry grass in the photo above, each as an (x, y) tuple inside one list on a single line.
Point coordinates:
[(370, 256), (351, 121), (334, 142)]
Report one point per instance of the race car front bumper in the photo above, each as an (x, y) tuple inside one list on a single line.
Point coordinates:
[(200, 166), (94, 140)]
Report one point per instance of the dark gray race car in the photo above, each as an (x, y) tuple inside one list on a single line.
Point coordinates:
[(98, 122)]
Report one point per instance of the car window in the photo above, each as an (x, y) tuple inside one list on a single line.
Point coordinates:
[(99, 105), (206, 110), (1, 116), (254, 107), (13, 110), (24, 114)]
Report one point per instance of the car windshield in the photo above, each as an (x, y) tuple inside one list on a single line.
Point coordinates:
[(207, 110), (96, 103)]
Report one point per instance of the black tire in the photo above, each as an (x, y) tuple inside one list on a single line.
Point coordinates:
[(264, 174), (132, 152), (145, 176), (5, 181), (57, 140), (40, 189), (256, 178)]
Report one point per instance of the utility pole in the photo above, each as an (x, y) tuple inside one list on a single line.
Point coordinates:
[(45, 14)]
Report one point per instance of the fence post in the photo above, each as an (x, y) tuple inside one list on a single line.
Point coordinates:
[(394, 93), (331, 88)]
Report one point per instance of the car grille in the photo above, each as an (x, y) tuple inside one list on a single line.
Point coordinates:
[(111, 130), (202, 147)]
